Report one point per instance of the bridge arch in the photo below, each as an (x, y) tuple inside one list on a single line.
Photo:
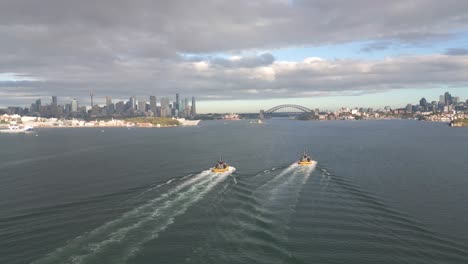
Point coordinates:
[(298, 107)]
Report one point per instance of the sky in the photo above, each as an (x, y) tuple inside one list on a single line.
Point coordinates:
[(234, 56)]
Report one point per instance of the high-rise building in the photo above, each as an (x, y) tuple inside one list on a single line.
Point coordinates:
[(67, 108), (110, 108), (186, 107), (194, 108), (133, 102), (447, 98), (54, 106), (181, 108), (423, 104), (153, 104), (142, 106), (120, 108), (177, 101), (108, 100), (38, 105), (74, 105), (441, 99), (165, 109), (409, 109), (91, 94), (33, 108)]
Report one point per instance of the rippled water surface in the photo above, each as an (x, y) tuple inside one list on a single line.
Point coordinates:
[(381, 192)]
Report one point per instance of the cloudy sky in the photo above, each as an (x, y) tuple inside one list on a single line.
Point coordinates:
[(234, 55)]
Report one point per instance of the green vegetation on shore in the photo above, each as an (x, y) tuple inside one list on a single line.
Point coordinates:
[(154, 121)]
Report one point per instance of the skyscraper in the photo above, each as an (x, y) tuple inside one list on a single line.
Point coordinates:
[(38, 105), (153, 106), (133, 102), (108, 100), (165, 109), (120, 108), (109, 106), (142, 106), (186, 107), (194, 109), (447, 98), (91, 94), (423, 103), (54, 106), (74, 105)]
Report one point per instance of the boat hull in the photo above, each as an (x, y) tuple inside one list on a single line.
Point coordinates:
[(305, 163), (220, 170)]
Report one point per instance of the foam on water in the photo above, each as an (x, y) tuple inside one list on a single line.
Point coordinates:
[(259, 220), (125, 235)]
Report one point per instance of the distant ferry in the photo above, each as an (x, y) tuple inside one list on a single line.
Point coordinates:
[(17, 129), (185, 122)]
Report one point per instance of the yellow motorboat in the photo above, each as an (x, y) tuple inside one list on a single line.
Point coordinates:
[(221, 166), (305, 160)]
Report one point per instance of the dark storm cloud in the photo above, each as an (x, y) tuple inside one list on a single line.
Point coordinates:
[(119, 47), (457, 51)]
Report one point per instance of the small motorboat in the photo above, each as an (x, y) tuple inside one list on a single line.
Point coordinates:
[(305, 160), (221, 166), (17, 129)]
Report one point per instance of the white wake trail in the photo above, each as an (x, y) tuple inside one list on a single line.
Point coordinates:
[(126, 234), (285, 172), (284, 189)]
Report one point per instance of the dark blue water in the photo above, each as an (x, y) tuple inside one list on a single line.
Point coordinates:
[(382, 192)]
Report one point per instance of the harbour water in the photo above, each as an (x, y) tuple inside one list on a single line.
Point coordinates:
[(382, 192)]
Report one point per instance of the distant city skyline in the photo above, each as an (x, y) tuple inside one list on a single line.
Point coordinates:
[(376, 101)]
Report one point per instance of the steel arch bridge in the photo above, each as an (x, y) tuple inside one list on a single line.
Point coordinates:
[(298, 107)]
